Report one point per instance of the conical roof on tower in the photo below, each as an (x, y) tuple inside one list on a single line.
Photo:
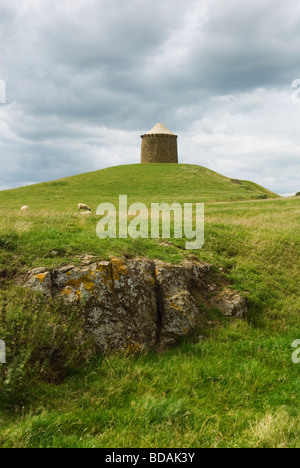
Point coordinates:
[(159, 146), (160, 129)]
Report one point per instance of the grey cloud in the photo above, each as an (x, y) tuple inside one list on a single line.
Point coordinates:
[(79, 70)]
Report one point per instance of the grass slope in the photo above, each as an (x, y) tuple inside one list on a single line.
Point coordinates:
[(145, 183), (237, 388)]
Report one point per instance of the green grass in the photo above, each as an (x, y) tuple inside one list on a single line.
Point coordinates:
[(54, 224), (238, 388), (148, 182)]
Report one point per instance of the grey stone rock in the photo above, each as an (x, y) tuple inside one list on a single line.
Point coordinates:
[(37, 271), (39, 279), (137, 304), (178, 309), (231, 303)]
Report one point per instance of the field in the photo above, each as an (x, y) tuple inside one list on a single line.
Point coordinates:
[(237, 388)]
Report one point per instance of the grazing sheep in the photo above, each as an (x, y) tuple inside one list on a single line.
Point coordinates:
[(83, 206), (25, 209)]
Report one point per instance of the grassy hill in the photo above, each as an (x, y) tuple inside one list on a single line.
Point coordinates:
[(145, 183), (54, 224), (236, 388)]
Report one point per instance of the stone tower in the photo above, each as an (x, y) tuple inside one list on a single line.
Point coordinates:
[(159, 146)]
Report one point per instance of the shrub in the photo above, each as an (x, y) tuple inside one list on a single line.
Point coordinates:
[(8, 243)]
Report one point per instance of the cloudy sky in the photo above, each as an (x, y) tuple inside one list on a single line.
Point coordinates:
[(85, 78)]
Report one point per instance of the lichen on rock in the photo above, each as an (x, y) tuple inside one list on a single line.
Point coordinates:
[(137, 304)]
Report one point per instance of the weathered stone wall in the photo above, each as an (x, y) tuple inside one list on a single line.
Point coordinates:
[(159, 148), (136, 304)]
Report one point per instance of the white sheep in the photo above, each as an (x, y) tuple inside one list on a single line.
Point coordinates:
[(25, 209), (83, 206)]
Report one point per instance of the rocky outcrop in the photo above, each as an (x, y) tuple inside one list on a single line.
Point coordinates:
[(137, 304)]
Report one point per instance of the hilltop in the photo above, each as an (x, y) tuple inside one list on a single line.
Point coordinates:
[(233, 386), (141, 182)]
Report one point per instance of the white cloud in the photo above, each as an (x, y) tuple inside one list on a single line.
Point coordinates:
[(89, 77)]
